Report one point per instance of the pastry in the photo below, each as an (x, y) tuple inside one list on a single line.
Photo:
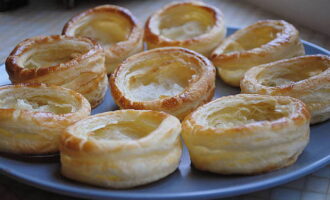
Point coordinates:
[(192, 25), (246, 133), (32, 117), (74, 63), (263, 42), (170, 79), (114, 27), (121, 149), (306, 78)]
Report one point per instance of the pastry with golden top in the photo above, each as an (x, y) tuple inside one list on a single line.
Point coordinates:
[(306, 78), (74, 63), (121, 149), (170, 79), (193, 25), (114, 27), (263, 42), (246, 133), (32, 117)]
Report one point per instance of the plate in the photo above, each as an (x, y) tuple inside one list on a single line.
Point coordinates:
[(186, 182)]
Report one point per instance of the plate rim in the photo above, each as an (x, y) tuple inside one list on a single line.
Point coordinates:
[(213, 193)]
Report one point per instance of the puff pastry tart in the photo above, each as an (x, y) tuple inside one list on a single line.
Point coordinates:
[(193, 25), (306, 78), (170, 79), (74, 63), (247, 133), (121, 149), (114, 27), (263, 42), (33, 116)]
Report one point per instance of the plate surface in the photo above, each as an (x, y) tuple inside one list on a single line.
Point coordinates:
[(186, 182)]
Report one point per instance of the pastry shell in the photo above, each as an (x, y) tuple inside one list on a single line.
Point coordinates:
[(306, 78), (246, 133), (170, 79), (32, 117), (114, 27), (193, 25), (74, 63), (121, 149), (263, 42)]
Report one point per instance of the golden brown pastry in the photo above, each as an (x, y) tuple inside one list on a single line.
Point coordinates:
[(192, 25), (32, 117), (246, 133), (170, 79), (74, 63), (114, 27), (121, 149), (306, 78), (263, 42)]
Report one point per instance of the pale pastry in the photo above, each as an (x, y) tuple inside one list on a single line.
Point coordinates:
[(121, 149), (193, 25), (114, 27), (74, 63), (32, 117), (246, 133), (263, 42), (170, 79), (306, 78)]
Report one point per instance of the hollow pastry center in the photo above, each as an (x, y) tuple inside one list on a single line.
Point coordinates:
[(159, 79), (287, 74), (185, 22), (40, 103), (245, 113), (254, 38), (106, 29), (52, 54), (124, 130)]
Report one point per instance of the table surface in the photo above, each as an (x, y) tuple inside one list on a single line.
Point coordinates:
[(48, 17)]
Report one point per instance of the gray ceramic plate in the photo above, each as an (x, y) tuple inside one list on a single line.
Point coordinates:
[(184, 183)]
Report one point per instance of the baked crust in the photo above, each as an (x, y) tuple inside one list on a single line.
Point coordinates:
[(170, 79), (306, 78), (246, 133), (263, 42), (192, 25), (114, 27), (32, 117), (74, 63), (121, 149)]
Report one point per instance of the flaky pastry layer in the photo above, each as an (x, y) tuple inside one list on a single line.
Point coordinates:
[(121, 149), (263, 42), (306, 78), (192, 25), (170, 79), (74, 63), (246, 133), (32, 117), (114, 27)]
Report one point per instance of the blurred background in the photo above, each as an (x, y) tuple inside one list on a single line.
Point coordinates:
[(20, 19)]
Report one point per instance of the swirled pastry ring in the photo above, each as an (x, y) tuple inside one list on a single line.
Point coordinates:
[(246, 133), (114, 27), (306, 78), (121, 149), (74, 63), (32, 117), (192, 25), (263, 42), (172, 79)]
